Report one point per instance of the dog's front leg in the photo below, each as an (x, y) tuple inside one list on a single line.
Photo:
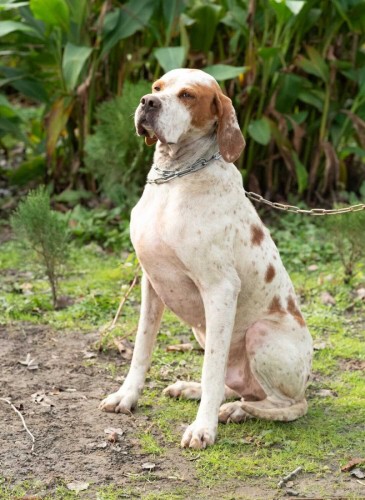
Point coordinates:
[(125, 399), (220, 310)]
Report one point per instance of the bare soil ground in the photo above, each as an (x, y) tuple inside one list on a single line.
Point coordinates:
[(59, 402)]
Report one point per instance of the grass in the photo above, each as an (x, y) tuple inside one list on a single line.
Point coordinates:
[(326, 438)]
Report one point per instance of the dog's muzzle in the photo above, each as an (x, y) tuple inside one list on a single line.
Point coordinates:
[(147, 112)]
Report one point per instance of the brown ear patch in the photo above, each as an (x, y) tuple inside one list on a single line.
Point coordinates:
[(257, 235), (229, 135)]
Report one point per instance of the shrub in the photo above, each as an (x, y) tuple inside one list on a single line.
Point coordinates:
[(115, 155), (43, 231)]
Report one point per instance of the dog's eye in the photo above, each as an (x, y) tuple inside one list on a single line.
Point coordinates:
[(186, 95), (157, 89)]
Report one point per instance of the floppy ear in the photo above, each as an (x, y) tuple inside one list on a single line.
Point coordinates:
[(229, 135), (150, 141)]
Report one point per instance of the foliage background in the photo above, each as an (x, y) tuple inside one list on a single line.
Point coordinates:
[(295, 71)]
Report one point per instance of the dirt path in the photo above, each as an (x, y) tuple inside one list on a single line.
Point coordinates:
[(59, 402)]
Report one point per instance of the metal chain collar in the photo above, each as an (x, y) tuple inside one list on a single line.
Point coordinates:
[(168, 175), (297, 210)]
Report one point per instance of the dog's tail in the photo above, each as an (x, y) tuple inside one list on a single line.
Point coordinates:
[(268, 410)]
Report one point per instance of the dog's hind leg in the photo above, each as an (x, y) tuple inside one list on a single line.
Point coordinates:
[(192, 390), (279, 354)]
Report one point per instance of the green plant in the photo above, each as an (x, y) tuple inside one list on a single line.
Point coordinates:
[(348, 236), (115, 156), (44, 232), (295, 71)]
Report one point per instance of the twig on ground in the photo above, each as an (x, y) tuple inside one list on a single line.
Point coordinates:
[(120, 307), (287, 478), (22, 419), (122, 302)]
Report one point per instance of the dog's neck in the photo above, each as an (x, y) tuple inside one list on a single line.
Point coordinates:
[(185, 152)]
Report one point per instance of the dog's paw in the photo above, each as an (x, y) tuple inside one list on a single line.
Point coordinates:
[(198, 436), (232, 412), (185, 390), (119, 403)]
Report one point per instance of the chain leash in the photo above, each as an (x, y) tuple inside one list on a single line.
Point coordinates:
[(297, 210), (167, 176)]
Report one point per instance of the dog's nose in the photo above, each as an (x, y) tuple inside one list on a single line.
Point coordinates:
[(150, 101)]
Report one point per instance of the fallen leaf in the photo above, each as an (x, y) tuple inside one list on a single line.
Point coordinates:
[(291, 493), (351, 464), (180, 348), (89, 355), (29, 363), (360, 292), (326, 393), (113, 434), (318, 346), (312, 267), (125, 348), (42, 400), (78, 486), (99, 446), (360, 474), (327, 299), (165, 372), (57, 390), (148, 466), (26, 288)]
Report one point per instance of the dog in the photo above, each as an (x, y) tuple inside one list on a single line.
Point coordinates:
[(207, 256)]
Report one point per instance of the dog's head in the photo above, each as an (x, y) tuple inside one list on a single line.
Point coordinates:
[(188, 103)]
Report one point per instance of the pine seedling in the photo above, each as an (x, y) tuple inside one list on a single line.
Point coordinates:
[(42, 230), (347, 232)]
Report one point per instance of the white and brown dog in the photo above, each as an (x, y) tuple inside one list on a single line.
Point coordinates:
[(207, 256)]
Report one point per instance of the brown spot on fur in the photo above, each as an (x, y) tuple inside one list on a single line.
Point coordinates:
[(257, 235), (294, 311), (158, 84), (270, 273), (275, 306)]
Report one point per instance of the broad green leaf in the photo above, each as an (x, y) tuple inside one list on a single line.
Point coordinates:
[(352, 150), (301, 173), (170, 57), (289, 87), (74, 59), (11, 5), (312, 97), (203, 30), (125, 21), (24, 83), (260, 131), (268, 52), (319, 62), (12, 126), (224, 71), (171, 11), (7, 27), (56, 122), (283, 13), (295, 6), (315, 65), (52, 12), (28, 171)]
